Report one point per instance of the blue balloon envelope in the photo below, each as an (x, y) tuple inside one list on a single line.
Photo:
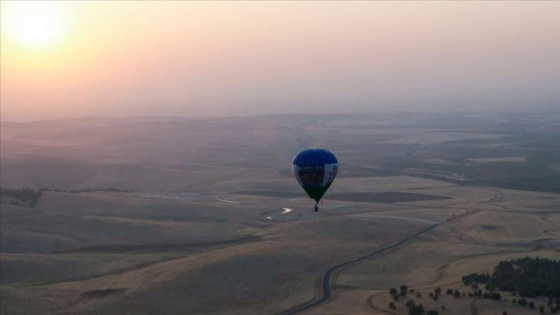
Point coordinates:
[(315, 170)]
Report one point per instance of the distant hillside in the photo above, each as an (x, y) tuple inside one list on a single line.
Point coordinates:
[(520, 151)]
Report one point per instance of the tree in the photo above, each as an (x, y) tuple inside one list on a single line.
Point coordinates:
[(432, 312), (531, 305), (393, 291), (541, 309), (456, 293), (403, 288), (504, 313), (449, 291), (437, 291), (493, 295), (392, 306), (416, 310)]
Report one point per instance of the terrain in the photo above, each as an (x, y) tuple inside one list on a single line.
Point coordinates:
[(170, 215)]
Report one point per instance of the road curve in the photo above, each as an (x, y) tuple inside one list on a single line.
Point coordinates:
[(326, 283)]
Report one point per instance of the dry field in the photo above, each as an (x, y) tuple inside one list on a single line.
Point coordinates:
[(206, 229), (490, 232), (240, 254)]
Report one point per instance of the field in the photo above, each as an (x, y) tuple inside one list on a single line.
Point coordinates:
[(173, 215)]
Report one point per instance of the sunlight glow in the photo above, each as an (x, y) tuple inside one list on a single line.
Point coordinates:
[(228, 58), (36, 24)]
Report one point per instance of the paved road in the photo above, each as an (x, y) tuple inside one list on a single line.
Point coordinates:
[(326, 283)]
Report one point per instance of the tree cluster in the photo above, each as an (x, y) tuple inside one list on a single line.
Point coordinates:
[(24, 197), (527, 277), (403, 289), (524, 277), (27, 197), (475, 278)]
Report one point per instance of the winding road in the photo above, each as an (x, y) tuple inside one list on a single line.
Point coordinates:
[(326, 282)]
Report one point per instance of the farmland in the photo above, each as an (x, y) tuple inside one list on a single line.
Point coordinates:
[(164, 215)]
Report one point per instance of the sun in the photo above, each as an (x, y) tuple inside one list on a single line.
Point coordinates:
[(35, 24)]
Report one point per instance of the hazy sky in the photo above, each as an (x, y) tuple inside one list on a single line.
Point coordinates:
[(80, 58)]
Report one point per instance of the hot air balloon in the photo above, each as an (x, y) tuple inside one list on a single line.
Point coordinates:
[(315, 170)]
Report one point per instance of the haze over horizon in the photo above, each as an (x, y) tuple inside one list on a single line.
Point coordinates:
[(74, 59)]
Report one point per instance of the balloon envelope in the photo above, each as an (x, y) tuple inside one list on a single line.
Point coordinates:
[(315, 170)]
